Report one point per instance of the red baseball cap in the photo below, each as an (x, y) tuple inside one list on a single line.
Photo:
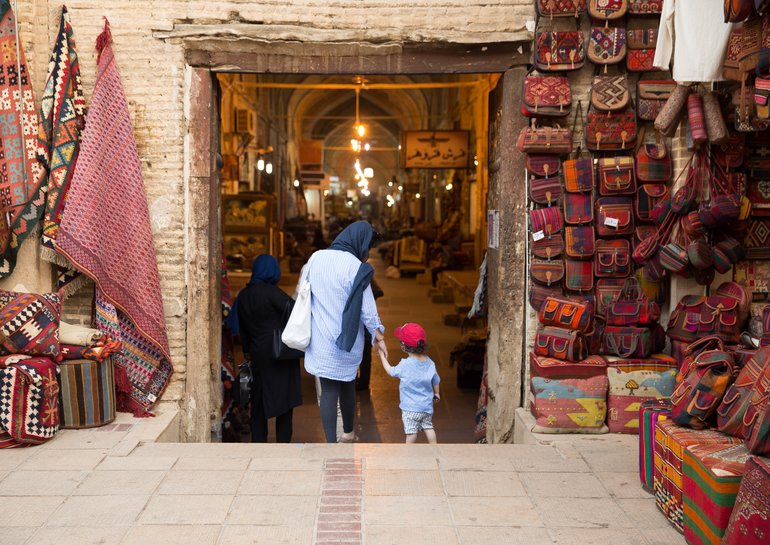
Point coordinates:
[(410, 334)]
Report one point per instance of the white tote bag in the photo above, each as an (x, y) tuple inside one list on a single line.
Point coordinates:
[(296, 334)]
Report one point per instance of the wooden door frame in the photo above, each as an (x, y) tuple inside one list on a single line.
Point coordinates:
[(204, 58)]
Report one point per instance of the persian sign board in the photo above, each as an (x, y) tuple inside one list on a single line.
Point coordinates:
[(435, 149)]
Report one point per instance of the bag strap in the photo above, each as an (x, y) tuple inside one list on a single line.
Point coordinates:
[(616, 349), (702, 343)]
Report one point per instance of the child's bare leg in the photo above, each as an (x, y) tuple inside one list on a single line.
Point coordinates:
[(430, 435), (411, 438)]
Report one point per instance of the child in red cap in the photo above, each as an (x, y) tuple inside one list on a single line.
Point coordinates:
[(419, 382)]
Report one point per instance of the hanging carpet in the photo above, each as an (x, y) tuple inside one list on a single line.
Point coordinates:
[(21, 173), (62, 118), (105, 233)]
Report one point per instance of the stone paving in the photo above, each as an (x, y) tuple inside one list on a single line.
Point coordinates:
[(102, 486)]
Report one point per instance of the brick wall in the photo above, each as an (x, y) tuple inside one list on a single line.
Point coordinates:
[(153, 76)]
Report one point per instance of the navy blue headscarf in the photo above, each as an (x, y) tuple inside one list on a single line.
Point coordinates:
[(354, 239), (265, 268)]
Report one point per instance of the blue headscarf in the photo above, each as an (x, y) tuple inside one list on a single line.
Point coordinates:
[(265, 268), (354, 239)]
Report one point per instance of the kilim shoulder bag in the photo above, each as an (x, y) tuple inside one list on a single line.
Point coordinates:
[(607, 45), (617, 176), (557, 51), (651, 95), (546, 96)]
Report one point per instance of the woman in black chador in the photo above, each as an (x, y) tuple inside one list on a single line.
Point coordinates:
[(276, 390)]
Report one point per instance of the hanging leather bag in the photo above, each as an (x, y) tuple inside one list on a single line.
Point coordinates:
[(578, 275), (552, 140), (548, 247), (559, 50), (647, 198), (613, 258), (653, 164), (651, 95), (547, 272), (610, 131), (548, 220), (617, 176), (546, 96), (578, 208), (562, 312), (610, 93), (607, 45), (614, 216), (580, 242), (705, 380), (579, 175)]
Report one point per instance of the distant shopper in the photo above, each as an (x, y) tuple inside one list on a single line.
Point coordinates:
[(276, 389), (419, 387), (341, 308)]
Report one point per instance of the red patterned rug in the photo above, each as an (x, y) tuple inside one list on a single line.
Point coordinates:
[(20, 171), (105, 233)]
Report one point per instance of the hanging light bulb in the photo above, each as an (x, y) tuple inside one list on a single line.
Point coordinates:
[(261, 164), (449, 186), (367, 146), (417, 196), (390, 184), (369, 172), (269, 168), (296, 183), (401, 188)]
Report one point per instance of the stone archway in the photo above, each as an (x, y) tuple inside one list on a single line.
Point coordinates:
[(206, 55)]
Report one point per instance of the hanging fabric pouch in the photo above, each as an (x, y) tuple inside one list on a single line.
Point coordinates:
[(617, 176)]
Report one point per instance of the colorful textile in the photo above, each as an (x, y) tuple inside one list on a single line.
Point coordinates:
[(29, 324), (6, 441), (87, 393), (138, 382), (711, 477), (750, 520), (29, 403), (650, 412), (670, 442), (99, 350), (632, 382), (105, 233), (570, 405), (21, 171), (62, 117)]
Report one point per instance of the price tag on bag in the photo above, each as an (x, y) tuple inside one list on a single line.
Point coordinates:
[(540, 235), (611, 222)]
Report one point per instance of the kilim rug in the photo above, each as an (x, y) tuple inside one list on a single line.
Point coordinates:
[(20, 171), (62, 118), (105, 233)]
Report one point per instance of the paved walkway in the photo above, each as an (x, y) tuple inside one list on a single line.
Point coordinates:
[(101, 486)]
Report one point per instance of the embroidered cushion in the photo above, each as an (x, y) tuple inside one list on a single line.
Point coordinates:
[(29, 403), (632, 382), (569, 405), (29, 324)]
